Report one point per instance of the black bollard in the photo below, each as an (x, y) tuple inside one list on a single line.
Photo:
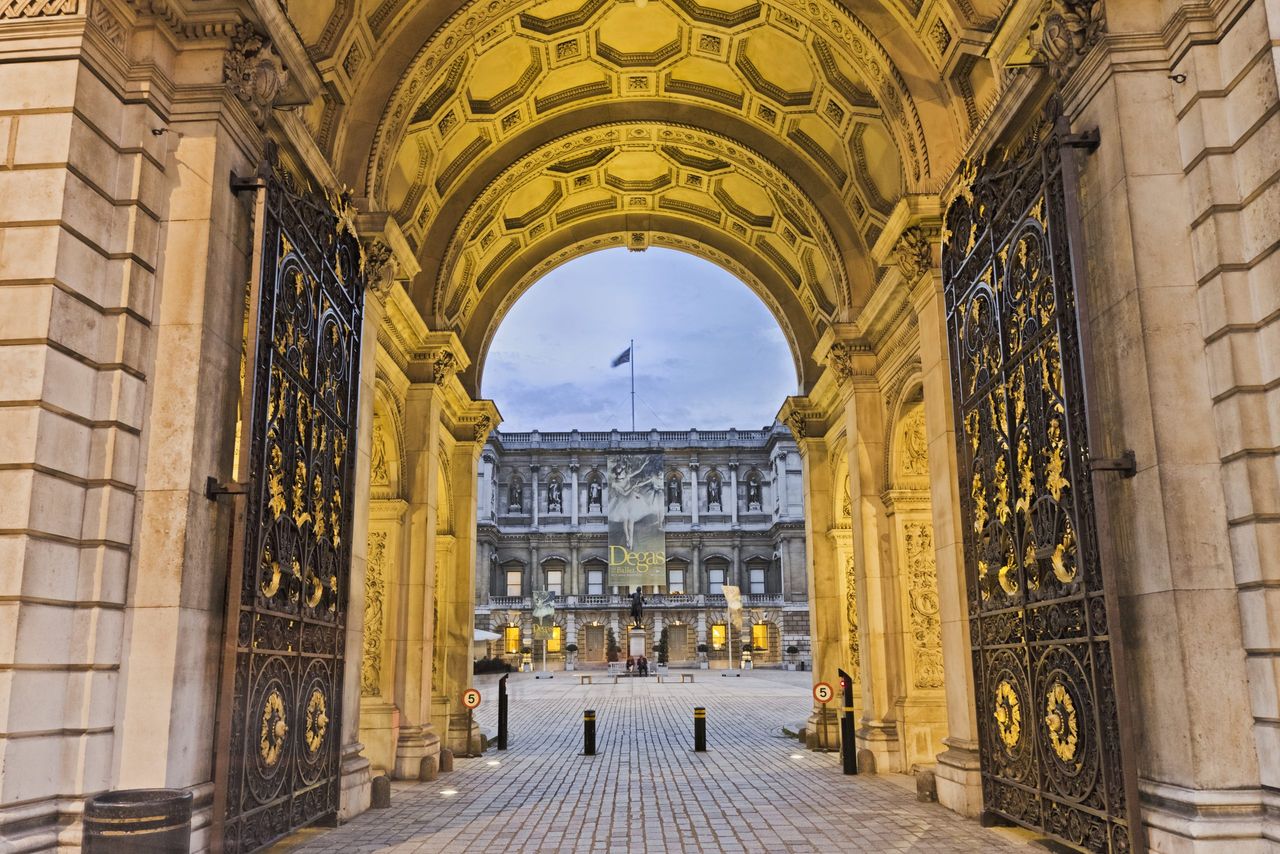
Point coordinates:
[(699, 729), (589, 733), (848, 741), (502, 713)]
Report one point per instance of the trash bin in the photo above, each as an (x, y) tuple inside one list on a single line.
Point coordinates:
[(138, 821)]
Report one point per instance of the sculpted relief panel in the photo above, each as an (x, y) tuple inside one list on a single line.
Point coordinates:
[(922, 593), (375, 592)]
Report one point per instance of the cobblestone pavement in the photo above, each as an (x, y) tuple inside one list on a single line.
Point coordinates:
[(646, 790)]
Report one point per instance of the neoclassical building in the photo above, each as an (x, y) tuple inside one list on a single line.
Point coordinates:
[(252, 255), (734, 515)]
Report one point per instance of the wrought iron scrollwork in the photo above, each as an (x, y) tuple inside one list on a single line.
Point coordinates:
[(1046, 695), (285, 753)]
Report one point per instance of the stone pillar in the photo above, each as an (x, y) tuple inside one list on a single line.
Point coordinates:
[(533, 494), (694, 582), (573, 582), (733, 495), (573, 495), (696, 498), (533, 575), (958, 772)]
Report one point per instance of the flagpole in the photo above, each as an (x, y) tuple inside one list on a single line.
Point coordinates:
[(633, 385)]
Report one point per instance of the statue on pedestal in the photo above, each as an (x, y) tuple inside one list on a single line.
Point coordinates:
[(637, 608)]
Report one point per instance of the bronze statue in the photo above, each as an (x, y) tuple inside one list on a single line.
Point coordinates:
[(637, 608)]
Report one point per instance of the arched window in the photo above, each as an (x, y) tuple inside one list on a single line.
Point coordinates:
[(553, 576), (511, 579)]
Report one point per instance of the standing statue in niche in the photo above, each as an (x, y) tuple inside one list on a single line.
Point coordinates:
[(595, 495), (555, 503), (753, 494), (515, 498), (637, 607), (675, 500), (713, 493)]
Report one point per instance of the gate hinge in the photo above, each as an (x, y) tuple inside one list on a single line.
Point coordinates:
[(1089, 140), (251, 182), (1126, 464), (214, 487)]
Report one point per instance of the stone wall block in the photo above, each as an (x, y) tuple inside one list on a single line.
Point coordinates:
[(28, 88)]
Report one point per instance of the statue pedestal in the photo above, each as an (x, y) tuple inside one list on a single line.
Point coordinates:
[(635, 642)]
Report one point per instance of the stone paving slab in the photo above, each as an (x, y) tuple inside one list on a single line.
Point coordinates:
[(646, 790)]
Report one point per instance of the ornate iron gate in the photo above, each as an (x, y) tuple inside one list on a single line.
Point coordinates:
[(1044, 671), (279, 740)]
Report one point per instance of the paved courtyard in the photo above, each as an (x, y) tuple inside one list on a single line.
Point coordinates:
[(646, 790)]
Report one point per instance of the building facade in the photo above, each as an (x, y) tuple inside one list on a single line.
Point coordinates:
[(734, 515)]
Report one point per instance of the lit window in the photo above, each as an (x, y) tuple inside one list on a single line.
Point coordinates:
[(511, 639), (757, 581), (595, 582), (555, 581), (553, 642), (513, 582), (718, 636), (715, 581), (760, 636), (675, 581)]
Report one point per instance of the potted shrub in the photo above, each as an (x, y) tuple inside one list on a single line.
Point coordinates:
[(611, 649), (571, 655), (702, 656), (792, 651), (661, 649), (526, 659)]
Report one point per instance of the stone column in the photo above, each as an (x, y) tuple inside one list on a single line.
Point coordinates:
[(572, 581), (694, 582), (733, 493), (532, 575)]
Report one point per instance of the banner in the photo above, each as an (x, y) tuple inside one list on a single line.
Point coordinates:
[(544, 611), (733, 598), (637, 540)]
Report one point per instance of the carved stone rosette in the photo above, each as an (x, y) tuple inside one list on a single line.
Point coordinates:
[(1068, 28), (254, 73), (914, 253)]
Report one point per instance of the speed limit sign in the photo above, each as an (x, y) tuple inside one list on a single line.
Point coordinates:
[(471, 697), (823, 692)]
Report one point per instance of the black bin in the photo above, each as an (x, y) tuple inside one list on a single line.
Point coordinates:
[(138, 821)]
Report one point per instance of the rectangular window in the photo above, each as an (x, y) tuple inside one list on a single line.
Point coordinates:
[(675, 581), (514, 582), (718, 637), (553, 642), (595, 582), (511, 639), (760, 636), (715, 582), (555, 581), (757, 582)]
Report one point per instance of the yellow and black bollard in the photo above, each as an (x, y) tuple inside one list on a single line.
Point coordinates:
[(589, 733), (699, 729)]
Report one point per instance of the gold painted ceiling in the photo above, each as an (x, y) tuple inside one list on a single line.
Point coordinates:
[(774, 137)]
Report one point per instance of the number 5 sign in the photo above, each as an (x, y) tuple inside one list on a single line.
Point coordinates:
[(471, 698), (823, 692)]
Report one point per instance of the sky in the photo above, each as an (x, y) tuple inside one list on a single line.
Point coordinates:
[(708, 354)]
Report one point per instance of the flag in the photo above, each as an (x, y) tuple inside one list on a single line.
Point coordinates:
[(622, 359)]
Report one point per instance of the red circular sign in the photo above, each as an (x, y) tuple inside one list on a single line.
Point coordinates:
[(823, 692), (471, 698)]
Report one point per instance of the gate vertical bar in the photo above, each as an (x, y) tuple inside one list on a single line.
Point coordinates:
[(240, 502)]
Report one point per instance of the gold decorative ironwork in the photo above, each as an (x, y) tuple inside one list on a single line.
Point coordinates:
[(1061, 722), (274, 729), (1008, 714), (317, 721)]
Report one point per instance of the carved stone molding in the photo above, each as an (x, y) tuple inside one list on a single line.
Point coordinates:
[(254, 73), (914, 253), (10, 9), (380, 266), (1067, 29), (483, 427)]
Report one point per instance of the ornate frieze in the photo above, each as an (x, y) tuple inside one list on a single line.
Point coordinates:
[(375, 592), (10, 9)]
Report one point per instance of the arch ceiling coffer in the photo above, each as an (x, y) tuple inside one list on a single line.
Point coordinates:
[(640, 170), (807, 73)]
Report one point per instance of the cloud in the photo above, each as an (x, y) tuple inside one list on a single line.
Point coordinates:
[(708, 353)]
